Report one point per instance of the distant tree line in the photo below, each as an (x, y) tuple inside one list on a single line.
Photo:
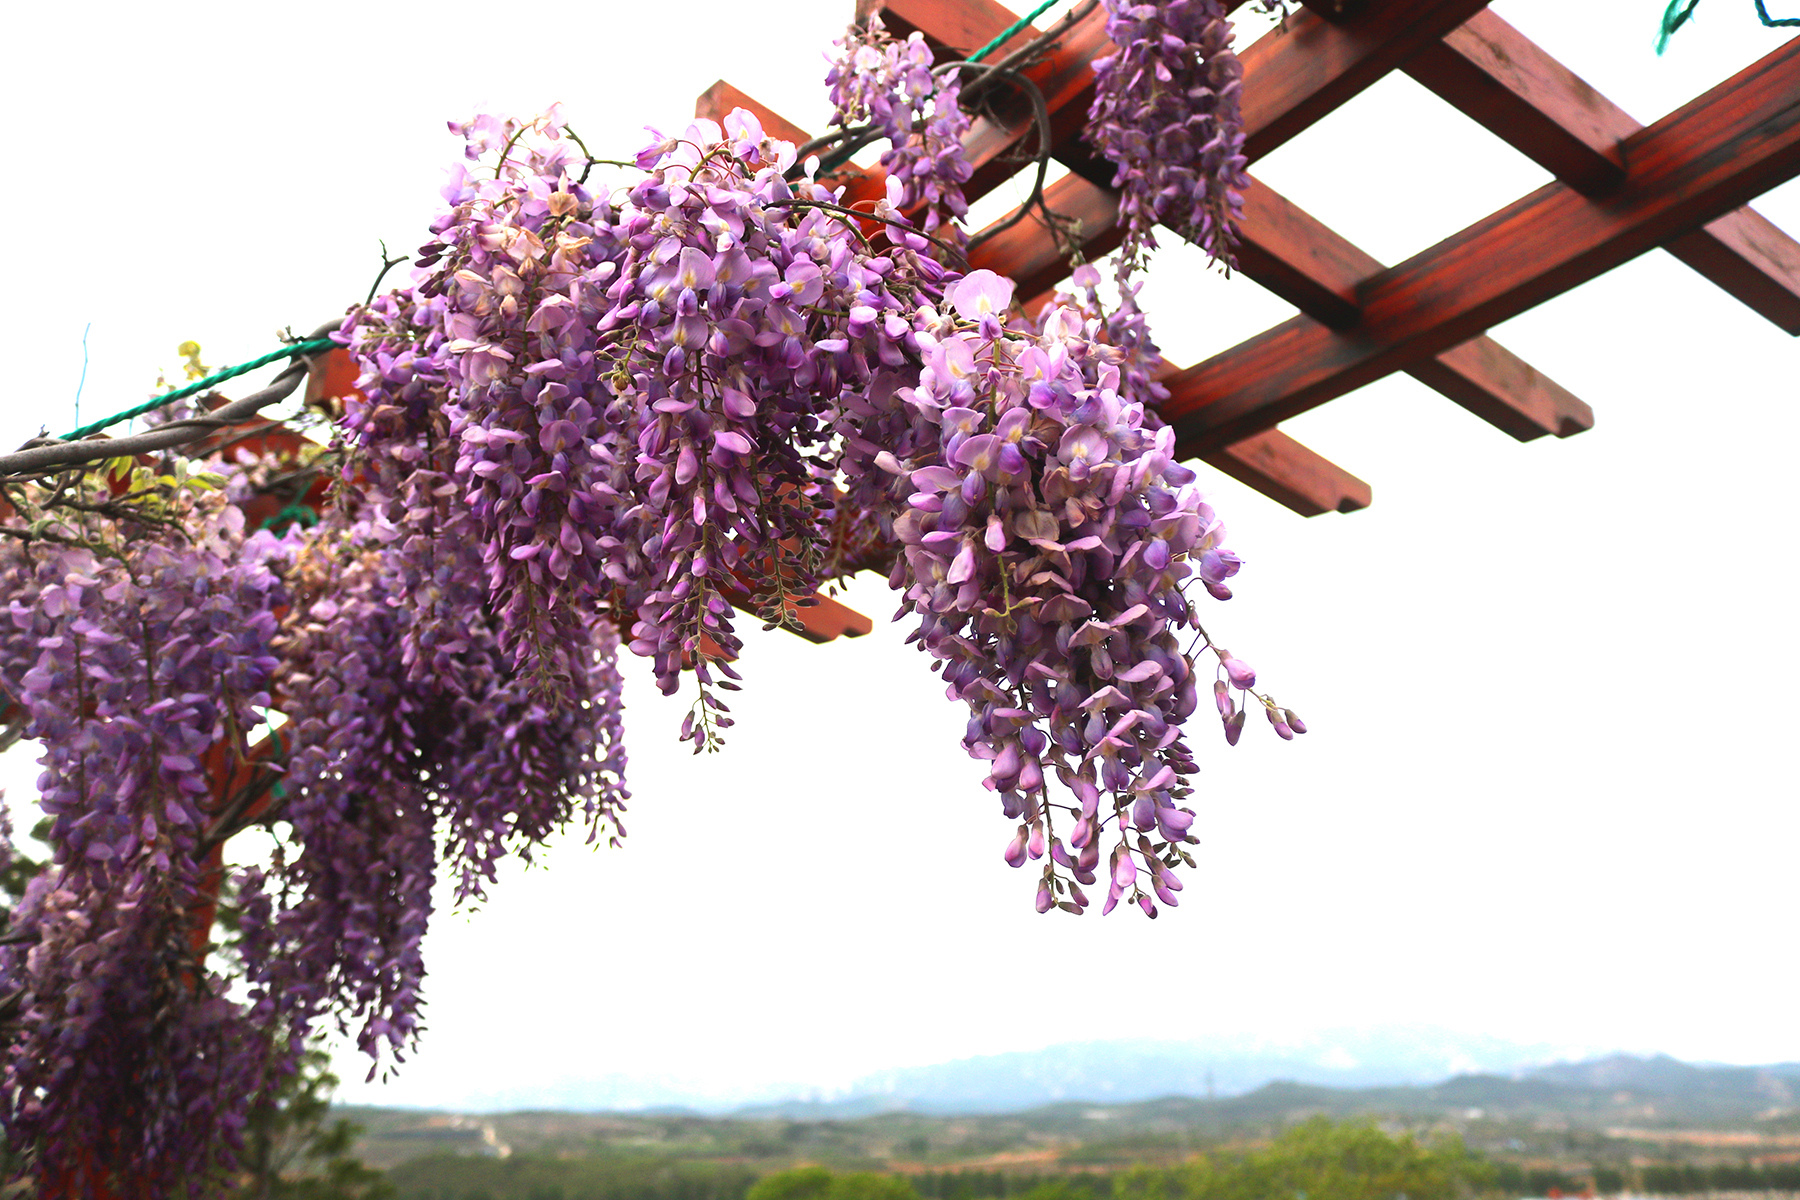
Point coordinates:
[(1317, 1160), (1314, 1161), (1001, 1185), (543, 1177), (1680, 1179)]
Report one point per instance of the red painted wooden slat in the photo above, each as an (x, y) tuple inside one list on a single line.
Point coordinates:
[(1293, 79), (1709, 157), (1499, 78), (1291, 475), (1281, 247)]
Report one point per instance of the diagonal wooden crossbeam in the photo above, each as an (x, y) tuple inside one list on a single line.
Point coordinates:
[(1740, 250), (1502, 80), (1301, 260), (1314, 68), (1697, 164), (1270, 461)]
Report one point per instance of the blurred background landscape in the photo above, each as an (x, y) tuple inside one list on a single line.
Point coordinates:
[(992, 1127)]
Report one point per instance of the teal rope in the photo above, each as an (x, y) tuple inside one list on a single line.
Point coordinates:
[(276, 791), (1773, 22), (1022, 22), (151, 405), (301, 513), (1675, 16)]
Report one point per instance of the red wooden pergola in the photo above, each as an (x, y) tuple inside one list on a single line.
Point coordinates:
[(1620, 189)]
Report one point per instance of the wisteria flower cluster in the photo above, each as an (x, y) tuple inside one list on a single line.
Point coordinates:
[(597, 420), (891, 86), (1048, 534), (415, 741), (140, 655), (1166, 112), (642, 397), (704, 378)]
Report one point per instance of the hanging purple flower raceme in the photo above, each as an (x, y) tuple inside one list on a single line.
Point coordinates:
[(644, 397), (1124, 343), (593, 412), (353, 884), (1166, 113), (145, 645), (1049, 540), (878, 81), (892, 86), (414, 741), (520, 252)]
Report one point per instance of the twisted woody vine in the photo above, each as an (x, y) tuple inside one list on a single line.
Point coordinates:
[(608, 391)]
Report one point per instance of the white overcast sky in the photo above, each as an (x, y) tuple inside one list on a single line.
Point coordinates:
[(1546, 796)]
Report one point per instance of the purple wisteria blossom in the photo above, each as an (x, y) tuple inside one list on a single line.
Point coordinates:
[(891, 86), (1166, 112), (598, 419), (133, 653)]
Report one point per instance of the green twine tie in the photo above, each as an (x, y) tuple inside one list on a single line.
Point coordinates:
[(167, 398)]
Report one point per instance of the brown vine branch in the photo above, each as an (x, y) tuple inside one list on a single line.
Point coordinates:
[(41, 456)]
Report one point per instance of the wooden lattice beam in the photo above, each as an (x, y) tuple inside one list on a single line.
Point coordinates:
[(1293, 79), (1714, 154), (1501, 79), (1299, 75), (1301, 260)]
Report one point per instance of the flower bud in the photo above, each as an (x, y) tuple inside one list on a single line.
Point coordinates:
[(1015, 849), (1124, 871), (1243, 675)]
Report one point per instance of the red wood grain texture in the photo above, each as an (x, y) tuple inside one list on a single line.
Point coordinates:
[(1707, 158), (1281, 247), (1748, 256), (1293, 79), (1502, 80), (1301, 260), (1291, 475)]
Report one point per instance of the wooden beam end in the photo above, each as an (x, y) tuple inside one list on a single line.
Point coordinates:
[(1292, 475)]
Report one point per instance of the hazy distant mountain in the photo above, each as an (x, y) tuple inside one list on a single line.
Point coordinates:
[(1661, 1075), (1121, 1072), (1627, 1100), (1396, 1069)]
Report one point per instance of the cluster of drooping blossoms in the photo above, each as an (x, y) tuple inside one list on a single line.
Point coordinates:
[(652, 399), (1049, 535), (1166, 113), (139, 651), (641, 397), (413, 741), (1137, 362), (891, 87)]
